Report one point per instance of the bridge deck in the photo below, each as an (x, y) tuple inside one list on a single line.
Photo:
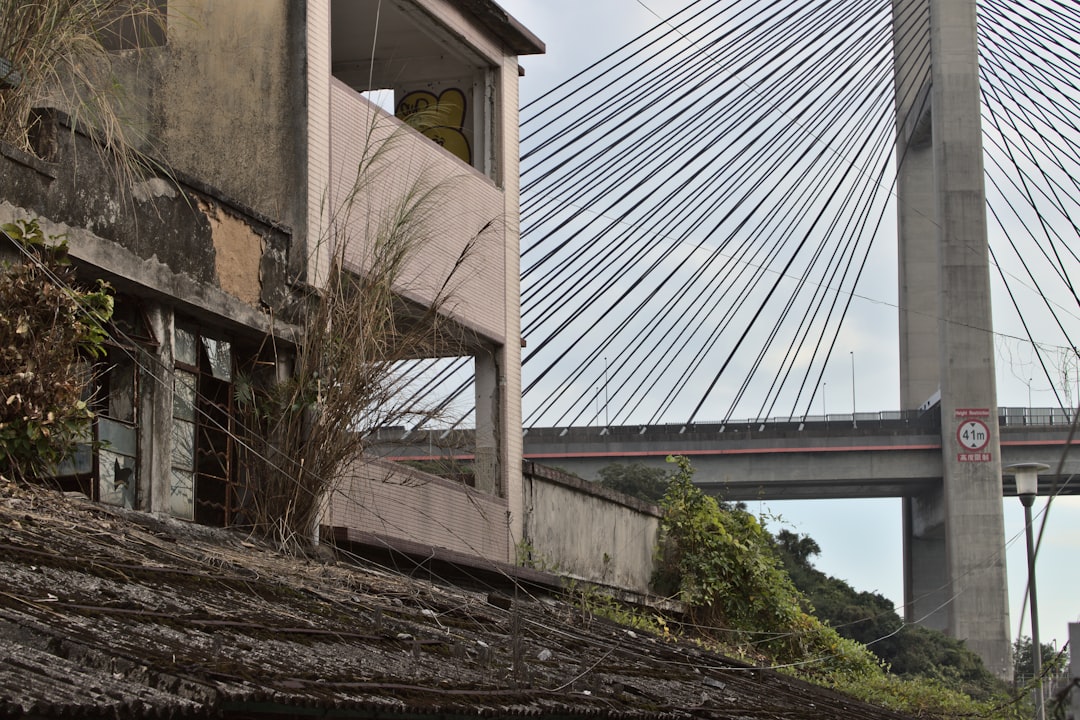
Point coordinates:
[(865, 455), (890, 454)]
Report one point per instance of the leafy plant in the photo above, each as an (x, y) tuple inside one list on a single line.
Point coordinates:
[(48, 328), (924, 697), (526, 555), (592, 601), (721, 563)]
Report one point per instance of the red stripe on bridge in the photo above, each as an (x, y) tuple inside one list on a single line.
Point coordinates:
[(729, 451)]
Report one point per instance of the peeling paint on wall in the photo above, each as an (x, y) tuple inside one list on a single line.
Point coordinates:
[(147, 190), (239, 252)]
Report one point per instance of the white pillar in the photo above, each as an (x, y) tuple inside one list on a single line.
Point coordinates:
[(486, 465)]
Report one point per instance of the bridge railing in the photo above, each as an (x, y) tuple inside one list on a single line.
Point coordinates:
[(928, 421), (892, 419), (1035, 417), (925, 421)]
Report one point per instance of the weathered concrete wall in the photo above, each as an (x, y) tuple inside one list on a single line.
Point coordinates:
[(232, 100), (395, 502), (224, 101), (159, 234), (584, 531)]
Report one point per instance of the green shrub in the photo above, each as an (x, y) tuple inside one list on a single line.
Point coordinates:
[(48, 327), (726, 568), (722, 564)]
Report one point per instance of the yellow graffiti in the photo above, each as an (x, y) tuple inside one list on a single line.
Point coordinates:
[(440, 118)]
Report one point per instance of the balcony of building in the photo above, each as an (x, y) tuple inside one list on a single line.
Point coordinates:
[(414, 118)]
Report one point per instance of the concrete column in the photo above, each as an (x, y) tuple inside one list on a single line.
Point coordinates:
[(925, 560), (917, 206), (510, 352), (156, 414), (926, 572), (974, 526), (486, 466)]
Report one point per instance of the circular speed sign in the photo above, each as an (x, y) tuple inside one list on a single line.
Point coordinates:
[(973, 434)]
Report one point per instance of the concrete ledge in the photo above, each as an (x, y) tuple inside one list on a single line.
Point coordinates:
[(127, 271), (49, 170), (589, 488)]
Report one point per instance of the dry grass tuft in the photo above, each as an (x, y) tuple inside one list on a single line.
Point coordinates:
[(61, 54)]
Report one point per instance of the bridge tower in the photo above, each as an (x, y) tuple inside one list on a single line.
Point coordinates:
[(954, 562)]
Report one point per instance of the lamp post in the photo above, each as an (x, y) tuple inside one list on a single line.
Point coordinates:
[(1027, 487), (853, 422), (607, 420)]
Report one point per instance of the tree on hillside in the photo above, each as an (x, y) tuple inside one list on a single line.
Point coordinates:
[(1053, 662), (871, 619), (637, 480)]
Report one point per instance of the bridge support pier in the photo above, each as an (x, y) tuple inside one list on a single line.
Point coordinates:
[(946, 314), (926, 565)]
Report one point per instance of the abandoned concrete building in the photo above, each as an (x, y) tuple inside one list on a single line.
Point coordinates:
[(259, 114)]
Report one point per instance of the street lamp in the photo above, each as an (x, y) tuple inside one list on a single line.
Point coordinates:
[(853, 422), (1027, 487)]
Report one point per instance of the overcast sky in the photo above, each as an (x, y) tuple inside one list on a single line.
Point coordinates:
[(860, 540)]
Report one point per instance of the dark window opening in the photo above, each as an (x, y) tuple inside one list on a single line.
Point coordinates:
[(104, 467), (204, 483)]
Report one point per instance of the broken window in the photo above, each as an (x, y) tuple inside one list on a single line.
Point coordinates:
[(117, 432), (76, 472), (109, 474), (408, 64), (202, 483)]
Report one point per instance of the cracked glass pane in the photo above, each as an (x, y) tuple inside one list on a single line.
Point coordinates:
[(184, 395), (184, 349), (219, 353)]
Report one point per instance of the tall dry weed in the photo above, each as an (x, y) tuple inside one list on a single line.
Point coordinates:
[(363, 343)]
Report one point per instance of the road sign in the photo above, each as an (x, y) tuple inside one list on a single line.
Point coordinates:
[(973, 435)]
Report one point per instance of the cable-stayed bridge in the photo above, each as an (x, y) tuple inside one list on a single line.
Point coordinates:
[(705, 209), (710, 212), (725, 208)]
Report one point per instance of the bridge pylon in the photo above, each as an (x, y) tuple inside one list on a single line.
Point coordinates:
[(954, 559)]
